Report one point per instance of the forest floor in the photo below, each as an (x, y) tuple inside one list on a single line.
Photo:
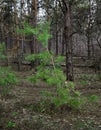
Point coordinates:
[(19, 109)]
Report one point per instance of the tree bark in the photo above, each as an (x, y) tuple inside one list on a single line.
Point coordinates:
[(17, 37), (67, 27), (34, 44), (56, 36)]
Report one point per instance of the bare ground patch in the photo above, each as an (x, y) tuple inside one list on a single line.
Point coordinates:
[(18, 109)]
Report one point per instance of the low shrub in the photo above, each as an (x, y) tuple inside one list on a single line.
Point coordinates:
[(7, 77)]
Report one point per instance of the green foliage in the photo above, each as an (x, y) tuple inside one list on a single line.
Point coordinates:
[(7, 77), (10, 124), (59, 59), (43, 28), (2, 49), (45, 57), (49, 71), (28, 29), (68, 96), (44, 38), (14, 113), (84, 82), (93, 98), (49, 75), (31, 57)]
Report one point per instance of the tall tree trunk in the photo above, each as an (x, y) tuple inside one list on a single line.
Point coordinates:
[(34, 44), (89, 31), (21, 25), (63, 41), (56, 37), (17, 36), (48, 20), (67, 26), (35, 24), (57, 48), (89, 46), (98, 13)]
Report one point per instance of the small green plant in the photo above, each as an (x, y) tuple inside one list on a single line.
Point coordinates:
[(49, 70), (10, 124), (84, 82), (7, 80), (14, 113), (65, 95), (7, 77), (92, 98)]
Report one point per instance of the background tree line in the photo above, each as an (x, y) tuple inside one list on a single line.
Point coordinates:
[(70, 21)]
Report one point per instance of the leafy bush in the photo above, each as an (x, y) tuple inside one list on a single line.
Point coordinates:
[(7, 77)]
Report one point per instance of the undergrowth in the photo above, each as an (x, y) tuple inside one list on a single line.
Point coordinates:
[(7, 77), (49, 70)]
